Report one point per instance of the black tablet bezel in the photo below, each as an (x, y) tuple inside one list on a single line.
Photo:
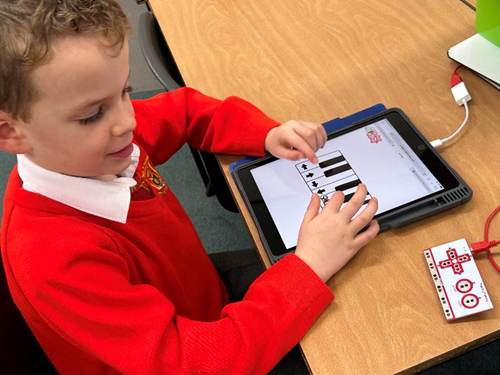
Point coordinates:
[(455, 190)]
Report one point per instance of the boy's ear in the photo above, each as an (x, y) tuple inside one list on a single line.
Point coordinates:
[(11, 138)]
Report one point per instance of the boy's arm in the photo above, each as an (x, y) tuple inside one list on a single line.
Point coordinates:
[(79, 285), (167, 121), (89, 301)]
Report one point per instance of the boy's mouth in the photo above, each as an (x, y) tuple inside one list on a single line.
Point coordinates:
[(123, 153)]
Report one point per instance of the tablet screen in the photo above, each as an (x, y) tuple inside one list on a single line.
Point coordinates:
[(375, 155), (387, 154)]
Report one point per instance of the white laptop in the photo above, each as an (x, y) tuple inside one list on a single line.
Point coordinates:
[(481, 56)]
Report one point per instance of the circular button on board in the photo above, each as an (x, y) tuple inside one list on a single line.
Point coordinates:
[(470, 301)]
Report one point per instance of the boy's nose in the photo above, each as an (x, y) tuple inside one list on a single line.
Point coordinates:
[(125, 122)]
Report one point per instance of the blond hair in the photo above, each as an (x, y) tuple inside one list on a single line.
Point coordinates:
[(28, 29)]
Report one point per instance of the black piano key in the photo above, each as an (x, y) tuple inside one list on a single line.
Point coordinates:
[(348, 185), (337, 170), (332, 161)]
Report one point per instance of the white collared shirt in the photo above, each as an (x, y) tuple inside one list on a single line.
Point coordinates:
[(107, 199)]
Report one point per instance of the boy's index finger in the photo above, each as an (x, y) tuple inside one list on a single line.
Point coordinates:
[(335, 202), (306, 150), (313, 159)]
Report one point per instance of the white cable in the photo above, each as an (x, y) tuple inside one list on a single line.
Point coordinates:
[(461, 126)]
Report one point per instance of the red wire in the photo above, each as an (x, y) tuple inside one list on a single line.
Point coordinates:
[(486, 228), (455, 78), (456, 69)]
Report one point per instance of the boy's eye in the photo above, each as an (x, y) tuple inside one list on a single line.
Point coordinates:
[(100, 112), (92, 118)]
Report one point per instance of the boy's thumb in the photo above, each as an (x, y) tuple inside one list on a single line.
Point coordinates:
[(312, 208)]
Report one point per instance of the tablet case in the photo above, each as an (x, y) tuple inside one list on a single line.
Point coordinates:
[(459, 195)]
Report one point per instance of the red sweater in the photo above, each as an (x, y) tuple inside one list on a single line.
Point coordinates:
[(143, 297)]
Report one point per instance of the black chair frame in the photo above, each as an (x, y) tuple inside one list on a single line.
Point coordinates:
[(161, 62)]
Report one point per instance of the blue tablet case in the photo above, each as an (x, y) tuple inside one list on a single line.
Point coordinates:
[(330, 127)]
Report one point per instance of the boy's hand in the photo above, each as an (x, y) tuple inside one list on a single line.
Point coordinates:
[(295, 140), (329, 239)]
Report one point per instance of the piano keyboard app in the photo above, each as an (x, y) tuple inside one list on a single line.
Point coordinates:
[(332, 173)]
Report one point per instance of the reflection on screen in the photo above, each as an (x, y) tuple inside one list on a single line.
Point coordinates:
[(375, 155)]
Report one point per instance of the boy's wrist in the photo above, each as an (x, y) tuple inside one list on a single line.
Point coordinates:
[(268, 140), (315, 264)]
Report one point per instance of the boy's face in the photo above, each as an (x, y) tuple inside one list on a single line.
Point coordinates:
[(82, 123)]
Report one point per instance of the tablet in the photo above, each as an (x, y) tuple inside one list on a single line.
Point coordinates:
[(386, 152)]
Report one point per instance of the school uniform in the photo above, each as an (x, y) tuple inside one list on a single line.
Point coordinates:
[(110, 283)]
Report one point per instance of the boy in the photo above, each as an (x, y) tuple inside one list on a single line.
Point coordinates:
[(101, 260)]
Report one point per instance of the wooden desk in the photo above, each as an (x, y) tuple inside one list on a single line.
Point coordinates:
[(320, 59)]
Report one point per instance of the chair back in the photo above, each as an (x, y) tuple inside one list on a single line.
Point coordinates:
[(157, 53)]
